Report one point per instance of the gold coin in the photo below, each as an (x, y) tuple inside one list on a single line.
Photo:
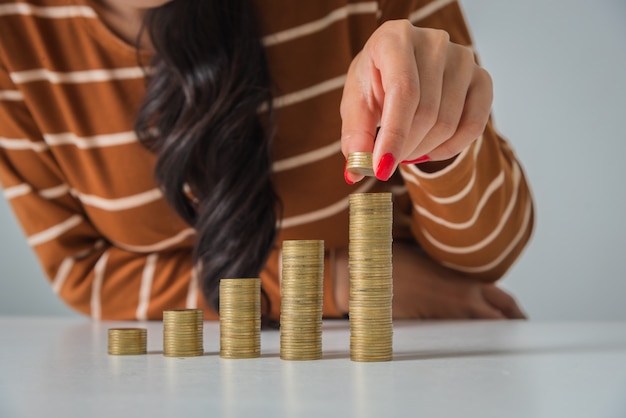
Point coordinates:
[(302, 277), (183, 333), (360, 163), (371, 282), (127, 341), (240, 318)]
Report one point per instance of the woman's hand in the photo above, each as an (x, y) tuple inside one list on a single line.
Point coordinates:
[(427, 94), (426, 290)]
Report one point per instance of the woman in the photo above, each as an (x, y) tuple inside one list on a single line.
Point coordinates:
[(245, 112)]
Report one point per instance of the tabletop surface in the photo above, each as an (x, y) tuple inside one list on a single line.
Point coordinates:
[(59, 367)]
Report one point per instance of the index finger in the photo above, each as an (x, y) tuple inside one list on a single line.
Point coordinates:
[(359, 123), (400, 83)]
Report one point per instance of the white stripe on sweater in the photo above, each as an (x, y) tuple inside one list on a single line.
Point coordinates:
[(514, 242), (69, 138), (95, 141), (192, 291), (54, 231), (54, 192), (11, 95), (147, 277), (17, 191), (489, 191), (161, 245), (96, 285), (307, 157), (68, 263), (320, 24), (50, 12), (328, 211), (122, 203), (411, 172), (428, 10), (109, 204), (20, 144), (77, 77), (493, 235), (307, 93), (62, 273), (24, 189)]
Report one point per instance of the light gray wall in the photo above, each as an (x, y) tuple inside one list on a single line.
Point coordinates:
[(559, 70), (23, 288)]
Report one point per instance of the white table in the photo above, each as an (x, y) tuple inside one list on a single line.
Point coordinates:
[(60, 368)]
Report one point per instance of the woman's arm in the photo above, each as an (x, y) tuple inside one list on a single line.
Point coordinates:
[(423, 288), (89, 272), (471, 208)]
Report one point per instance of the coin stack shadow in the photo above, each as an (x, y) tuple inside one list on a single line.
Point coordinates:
[(183, 333), (127, 341), (371, 283), (301, 300), (240, 318)]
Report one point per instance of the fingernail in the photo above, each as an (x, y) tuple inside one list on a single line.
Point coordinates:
[(385, 167), (346, 175), (422, 159)]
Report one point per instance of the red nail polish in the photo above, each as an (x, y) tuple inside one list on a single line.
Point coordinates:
[(422, 159), (345, 174), (385, 167)]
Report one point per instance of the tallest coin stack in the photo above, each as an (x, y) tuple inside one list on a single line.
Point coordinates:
[(371, 283)]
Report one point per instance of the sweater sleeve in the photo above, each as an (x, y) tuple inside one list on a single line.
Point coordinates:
[(89, 272), (476, 215)]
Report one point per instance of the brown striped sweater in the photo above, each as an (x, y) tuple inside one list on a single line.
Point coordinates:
[(82, 187)]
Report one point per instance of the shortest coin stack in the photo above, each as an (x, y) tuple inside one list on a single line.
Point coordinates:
[(240, 318), (183, 333), (360, 163), (127, 341)]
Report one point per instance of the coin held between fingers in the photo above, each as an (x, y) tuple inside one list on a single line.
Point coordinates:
[(360, 163)]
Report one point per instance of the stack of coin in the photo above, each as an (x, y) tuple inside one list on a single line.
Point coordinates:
[(360, 163), (371, 283), (183, 333), (301, 300), (127, 341), (240, 318)]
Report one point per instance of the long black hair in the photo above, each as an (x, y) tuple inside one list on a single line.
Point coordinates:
[(200, 115)]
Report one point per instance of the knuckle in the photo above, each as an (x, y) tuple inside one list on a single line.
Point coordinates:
[(467, 54), (436, 41), (393, 33), (440, 37), (427, 114), (434, 36), (448, 150), (445, 128), (394, 136), (400, 26), (408, 85), (474, 128), (464, 59), (484, 78)]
